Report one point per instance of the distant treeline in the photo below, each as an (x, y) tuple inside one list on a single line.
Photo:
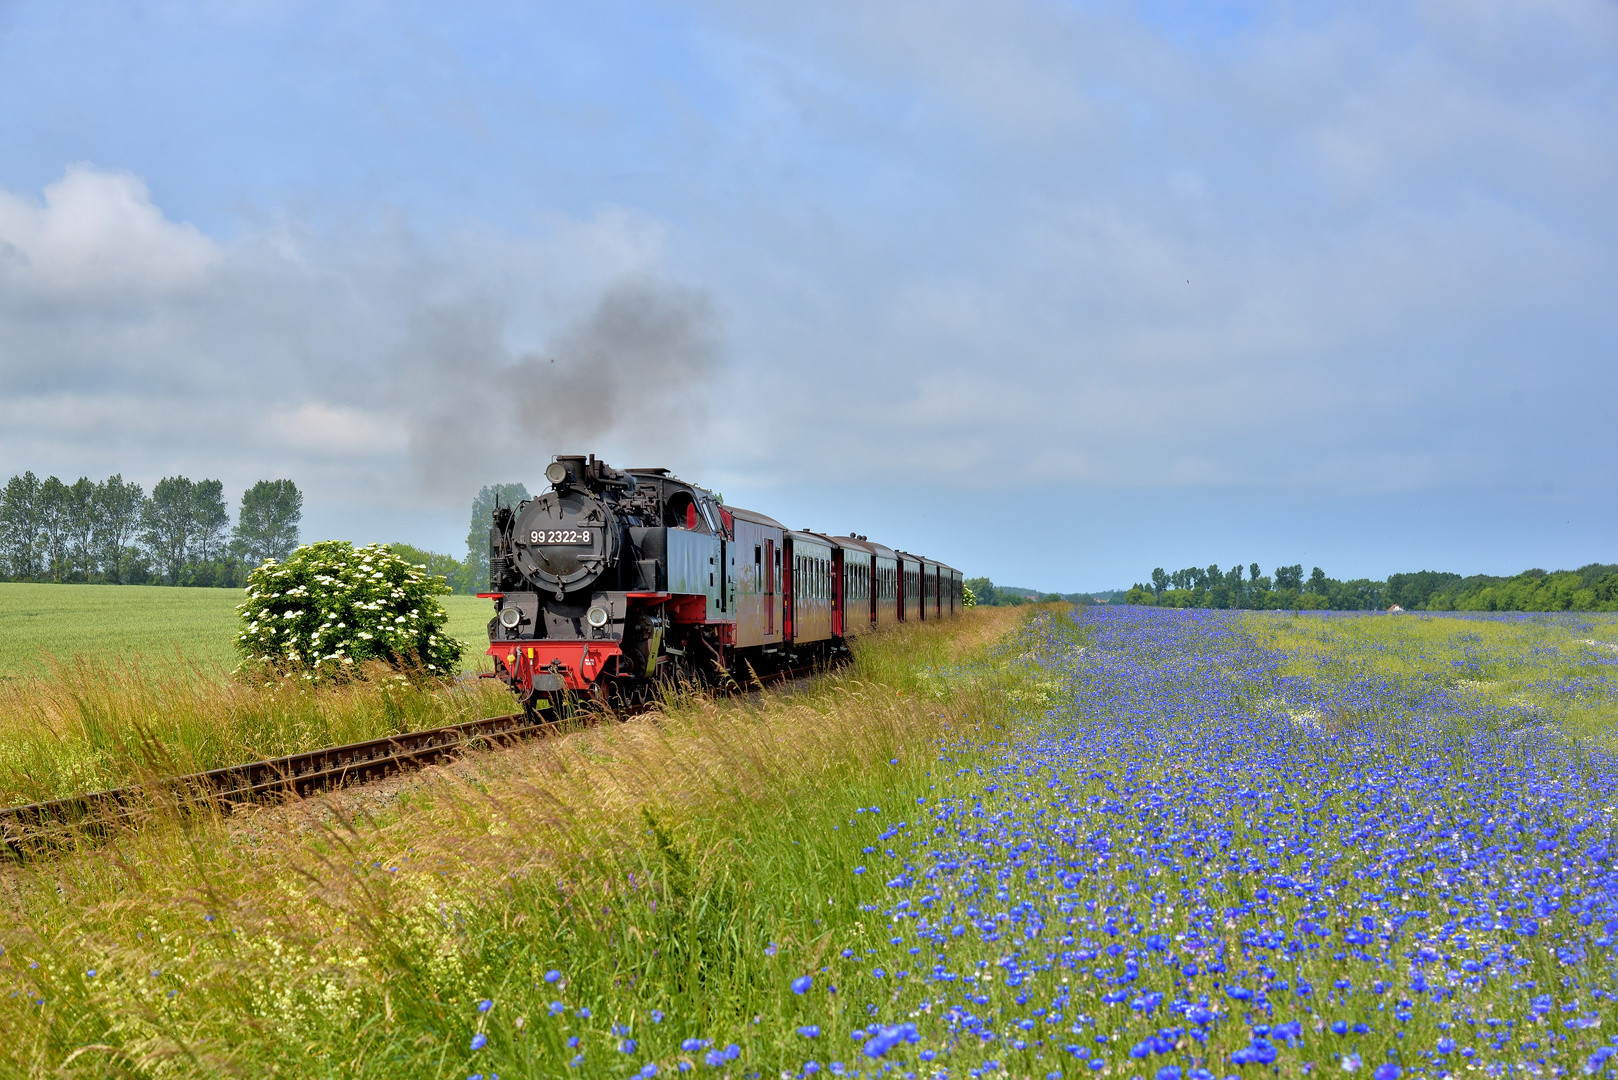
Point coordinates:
[(114, 532), (471, 574), (988, 594), (1589, 588)]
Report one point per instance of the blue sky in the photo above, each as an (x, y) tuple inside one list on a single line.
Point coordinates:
[(1056, 292)]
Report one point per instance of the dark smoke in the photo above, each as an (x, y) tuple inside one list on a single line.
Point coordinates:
[(638, 371)]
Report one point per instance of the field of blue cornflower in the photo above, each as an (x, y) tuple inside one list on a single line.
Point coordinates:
[(1119, 842)]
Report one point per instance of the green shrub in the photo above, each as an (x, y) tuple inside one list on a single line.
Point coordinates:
[(331, 605)]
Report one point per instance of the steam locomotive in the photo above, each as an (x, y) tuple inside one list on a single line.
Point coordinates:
[(615, 581)]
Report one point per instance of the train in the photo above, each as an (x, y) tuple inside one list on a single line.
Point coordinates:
[(615, 583)]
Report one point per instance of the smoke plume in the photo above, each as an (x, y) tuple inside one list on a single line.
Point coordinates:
[(634, 376)]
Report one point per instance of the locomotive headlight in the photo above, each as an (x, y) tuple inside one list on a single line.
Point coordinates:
[(597, 616), (556, 472), (510, 617)]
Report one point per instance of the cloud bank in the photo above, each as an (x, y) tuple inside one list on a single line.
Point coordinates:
[(1247, 275)]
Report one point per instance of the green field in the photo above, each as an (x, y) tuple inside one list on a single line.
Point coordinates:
[(155, 625)]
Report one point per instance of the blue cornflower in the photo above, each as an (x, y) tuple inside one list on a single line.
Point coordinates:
[(691, 1046), (485, 1005), (810, 1031), (657, 1016), (479, 1041), (552, 975), (557, 1008), (802, 983), (1386, 1071), (649, 1069)]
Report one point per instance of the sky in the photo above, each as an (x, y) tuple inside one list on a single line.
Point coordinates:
[(1054, 292)]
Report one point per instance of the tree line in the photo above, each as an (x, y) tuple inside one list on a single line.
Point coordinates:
[(471, 574), (1589, 588), (114, 532), (988, 594)]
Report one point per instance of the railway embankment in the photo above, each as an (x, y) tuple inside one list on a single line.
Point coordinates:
[(677, 863)]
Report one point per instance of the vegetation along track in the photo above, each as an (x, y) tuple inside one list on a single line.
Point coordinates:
[(23, 828)]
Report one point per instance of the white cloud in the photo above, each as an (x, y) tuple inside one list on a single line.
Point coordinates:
[(318, 427), (98, 238)]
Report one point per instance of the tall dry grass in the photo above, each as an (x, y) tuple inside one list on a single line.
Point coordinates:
[(691, 861), (95, 724)]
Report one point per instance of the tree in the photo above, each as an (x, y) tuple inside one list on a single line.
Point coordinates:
[(474, 574), (168, 525), (210, 519), (1289, 577), (439, 566), (1160, 581), (20, 526), (82, 525), (118, 508), (1317, 582), (984, 591), (1252, 572), (56, 526), (267, 527)]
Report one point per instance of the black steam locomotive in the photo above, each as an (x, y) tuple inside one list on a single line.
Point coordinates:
[(613, 581)]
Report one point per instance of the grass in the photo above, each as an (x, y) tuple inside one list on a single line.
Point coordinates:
[(680, 869), (155, 626), (1538, 669), (107, 723)]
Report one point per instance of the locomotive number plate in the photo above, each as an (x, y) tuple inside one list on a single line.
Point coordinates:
[(561, 536)]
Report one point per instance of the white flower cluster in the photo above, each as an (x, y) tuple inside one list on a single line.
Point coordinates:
[(332, 604)]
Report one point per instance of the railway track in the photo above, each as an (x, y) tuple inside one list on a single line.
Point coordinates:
[(40, 825), (24, 827)]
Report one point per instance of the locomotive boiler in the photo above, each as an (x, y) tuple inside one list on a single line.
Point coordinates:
[(616, 581)]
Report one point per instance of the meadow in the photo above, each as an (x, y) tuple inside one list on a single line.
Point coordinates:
[(46, 625), (1030, 843)]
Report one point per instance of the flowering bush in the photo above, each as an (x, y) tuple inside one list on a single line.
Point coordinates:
[(332, 604)]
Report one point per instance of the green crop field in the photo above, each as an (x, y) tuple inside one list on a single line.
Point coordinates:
[(155, 625)]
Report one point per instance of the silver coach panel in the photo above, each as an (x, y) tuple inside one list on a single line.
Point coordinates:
[(693, 562)]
